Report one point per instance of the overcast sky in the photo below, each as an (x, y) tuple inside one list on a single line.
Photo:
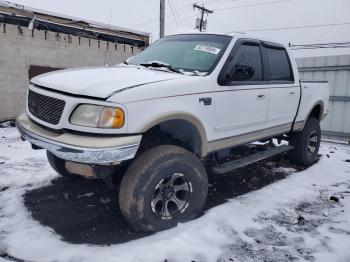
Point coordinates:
[(229, 15)]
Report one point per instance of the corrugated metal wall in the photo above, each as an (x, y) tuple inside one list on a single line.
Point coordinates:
[(336, 70)]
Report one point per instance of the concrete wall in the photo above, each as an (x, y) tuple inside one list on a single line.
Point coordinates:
[(20, 48)]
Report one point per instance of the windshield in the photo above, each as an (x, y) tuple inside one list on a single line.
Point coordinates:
[(197, 52)]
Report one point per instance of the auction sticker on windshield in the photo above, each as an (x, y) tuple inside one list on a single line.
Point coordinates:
[(207, 49)]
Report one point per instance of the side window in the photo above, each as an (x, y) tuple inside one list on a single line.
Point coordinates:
[(280, 68), (246, 64)]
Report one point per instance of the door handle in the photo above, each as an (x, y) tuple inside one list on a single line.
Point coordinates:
[(260, 97), (292, 93)]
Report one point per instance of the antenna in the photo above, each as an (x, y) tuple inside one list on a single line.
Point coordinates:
[(109, 28)]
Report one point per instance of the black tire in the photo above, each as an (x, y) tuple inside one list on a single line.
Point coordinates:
[(304, 141), (152, 181), (58, 165)]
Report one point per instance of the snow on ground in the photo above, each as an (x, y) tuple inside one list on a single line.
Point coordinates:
[(304, 217)]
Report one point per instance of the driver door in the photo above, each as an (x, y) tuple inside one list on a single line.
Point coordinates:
[(242, 98)]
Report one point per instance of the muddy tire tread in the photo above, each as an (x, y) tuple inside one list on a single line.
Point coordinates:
[(137, 168)]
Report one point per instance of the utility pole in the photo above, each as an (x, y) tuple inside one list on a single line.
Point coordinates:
[(162, 18), (203, 10)]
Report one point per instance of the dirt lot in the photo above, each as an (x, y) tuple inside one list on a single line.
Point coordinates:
[(87, 211)]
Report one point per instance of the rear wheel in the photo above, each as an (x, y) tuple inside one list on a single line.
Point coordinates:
[(306, 143), (162, 187), (58, 164)]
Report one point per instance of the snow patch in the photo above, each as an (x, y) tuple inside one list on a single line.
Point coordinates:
[(290, 220)]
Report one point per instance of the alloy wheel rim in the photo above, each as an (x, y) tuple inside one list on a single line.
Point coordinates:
[(171, 196), (313, 141)]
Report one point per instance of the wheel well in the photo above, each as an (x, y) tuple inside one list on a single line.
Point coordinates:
[(316, 112), (175, 132)]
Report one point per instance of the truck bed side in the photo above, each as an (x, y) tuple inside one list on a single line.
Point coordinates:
[(314, 98)]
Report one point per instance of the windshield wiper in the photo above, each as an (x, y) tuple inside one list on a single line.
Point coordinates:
[(157, 64)]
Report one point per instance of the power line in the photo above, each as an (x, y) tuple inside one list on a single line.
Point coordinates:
[(176, 12), (170, 23), (155, 20), (184, 9), (180, 10), (275, 29), (291, 28), (172, 11), (218, 1), (251, 5)]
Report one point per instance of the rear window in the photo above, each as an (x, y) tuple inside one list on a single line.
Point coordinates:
[(280, 68)]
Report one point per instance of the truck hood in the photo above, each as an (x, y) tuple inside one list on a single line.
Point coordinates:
[(102, 82)]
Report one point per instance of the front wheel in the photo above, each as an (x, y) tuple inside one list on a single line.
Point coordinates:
[(306, 143), (162, 187)]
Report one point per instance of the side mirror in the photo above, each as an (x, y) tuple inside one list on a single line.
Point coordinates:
[(241, 72)]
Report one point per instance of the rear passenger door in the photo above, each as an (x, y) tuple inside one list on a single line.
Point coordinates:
[(284, 92)]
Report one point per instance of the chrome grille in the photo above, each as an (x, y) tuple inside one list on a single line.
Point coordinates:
[(48, 109)]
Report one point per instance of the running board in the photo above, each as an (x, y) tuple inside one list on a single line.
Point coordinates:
[(242, 162)]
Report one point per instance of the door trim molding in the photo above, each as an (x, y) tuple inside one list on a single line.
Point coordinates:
[(249, 137)]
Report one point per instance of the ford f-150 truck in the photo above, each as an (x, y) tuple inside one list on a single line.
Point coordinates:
[(158, 118)]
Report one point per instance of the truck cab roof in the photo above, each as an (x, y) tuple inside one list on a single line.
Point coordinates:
[(234, 35)]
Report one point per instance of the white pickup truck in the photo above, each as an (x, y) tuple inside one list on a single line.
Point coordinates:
[(162, 114)]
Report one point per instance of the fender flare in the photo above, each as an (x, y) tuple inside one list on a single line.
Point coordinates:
[(318, 103), (181, 116)]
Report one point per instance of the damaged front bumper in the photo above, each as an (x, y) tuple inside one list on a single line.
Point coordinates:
[(79, 148)]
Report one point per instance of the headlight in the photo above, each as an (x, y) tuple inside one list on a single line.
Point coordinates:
[(111, 117), (98, 116)]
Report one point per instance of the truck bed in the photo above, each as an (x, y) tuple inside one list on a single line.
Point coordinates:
[(312, 93)]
